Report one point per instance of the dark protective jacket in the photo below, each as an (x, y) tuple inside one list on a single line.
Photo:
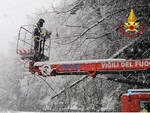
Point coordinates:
[(37, 32)]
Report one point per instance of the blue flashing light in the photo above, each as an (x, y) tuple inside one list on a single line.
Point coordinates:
[(129, 92)]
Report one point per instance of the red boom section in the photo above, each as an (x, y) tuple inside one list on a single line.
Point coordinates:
[(92, 67)]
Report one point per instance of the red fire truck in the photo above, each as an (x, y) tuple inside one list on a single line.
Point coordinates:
[(136, 100)]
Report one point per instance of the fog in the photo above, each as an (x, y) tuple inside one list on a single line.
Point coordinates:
[(14, 14)]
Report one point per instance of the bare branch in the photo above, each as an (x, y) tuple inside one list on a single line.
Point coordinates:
[(94, 25), (69, 50), (60, 12), (47, 83), (76, 26), (122, 49), (99, 36), (81, 79)]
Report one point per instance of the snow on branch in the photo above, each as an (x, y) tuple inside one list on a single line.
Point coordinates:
[(75, 83), (94, 25), (69, 10)]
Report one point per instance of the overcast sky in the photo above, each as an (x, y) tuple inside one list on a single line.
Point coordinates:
[(13, 15)]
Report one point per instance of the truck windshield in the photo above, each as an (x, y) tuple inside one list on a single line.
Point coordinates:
[(145, 104)]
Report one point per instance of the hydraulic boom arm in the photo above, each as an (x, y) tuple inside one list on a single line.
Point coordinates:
[(90, 67)]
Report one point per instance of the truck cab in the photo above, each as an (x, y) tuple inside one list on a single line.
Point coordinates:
[(136, 100)]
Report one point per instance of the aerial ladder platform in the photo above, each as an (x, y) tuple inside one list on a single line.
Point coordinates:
[(133, 101)]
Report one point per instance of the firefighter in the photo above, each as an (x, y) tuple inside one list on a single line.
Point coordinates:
[(38, 38)]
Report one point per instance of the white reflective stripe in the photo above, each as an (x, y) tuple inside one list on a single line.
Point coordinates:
[(19, 51), (23, 51)]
